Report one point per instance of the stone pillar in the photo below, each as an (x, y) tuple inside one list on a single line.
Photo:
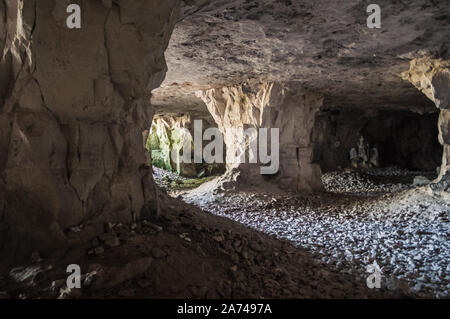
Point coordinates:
[(73, 106), (270, 105), (432, 78)]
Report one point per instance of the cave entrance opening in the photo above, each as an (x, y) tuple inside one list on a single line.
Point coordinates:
[(167, 137), (395, 147)]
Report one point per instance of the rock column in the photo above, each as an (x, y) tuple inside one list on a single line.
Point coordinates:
[(270, 105), (73, 106), (432, 77)]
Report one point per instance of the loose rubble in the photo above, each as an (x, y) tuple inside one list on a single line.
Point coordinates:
[(309, 247), (404, 229), (187, 253), (171, 181)]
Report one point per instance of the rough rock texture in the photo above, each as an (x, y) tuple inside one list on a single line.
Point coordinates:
[(169, 134), (432, 77), (287, 107), (324, 45), (372, 215), (73, 106), (185, 253)]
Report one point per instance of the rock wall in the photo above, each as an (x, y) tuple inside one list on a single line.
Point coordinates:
[(403, 138), (432, 77), (270, 105), (73, 106)]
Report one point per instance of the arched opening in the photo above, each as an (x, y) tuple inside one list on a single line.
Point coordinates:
[(399, 148), (168, 138)]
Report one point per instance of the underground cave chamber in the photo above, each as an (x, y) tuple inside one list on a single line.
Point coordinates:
[(391, 138), (167, 140), (357, 185)]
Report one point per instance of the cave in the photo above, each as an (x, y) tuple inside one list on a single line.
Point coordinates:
[(334, 135), (169, 137), (403, 138)]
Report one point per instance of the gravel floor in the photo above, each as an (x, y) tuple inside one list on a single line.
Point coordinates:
[(164, 178), (363, 217)]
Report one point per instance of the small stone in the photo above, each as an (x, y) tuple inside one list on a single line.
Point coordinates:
[(69, 293), (420, 181), (244, 254), (218, 237), (99, 250), (184, 236), (57, 284), (89, 278), (154, 227), (94, 268), (256, 247), (35, 257), (109, 227), (110, 240)]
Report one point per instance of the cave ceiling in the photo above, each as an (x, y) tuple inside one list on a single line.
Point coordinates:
[(324, 46)]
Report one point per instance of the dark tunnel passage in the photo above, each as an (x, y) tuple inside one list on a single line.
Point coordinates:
[(403, 138), (224, 149)]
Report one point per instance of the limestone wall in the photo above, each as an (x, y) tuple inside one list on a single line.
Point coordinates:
[(73, 106), (270, 105)]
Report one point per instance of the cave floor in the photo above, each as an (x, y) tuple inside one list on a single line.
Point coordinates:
[(362, 217), (282, 246), (181, 253)]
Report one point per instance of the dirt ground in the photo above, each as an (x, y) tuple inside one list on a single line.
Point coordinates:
[(184, 253)]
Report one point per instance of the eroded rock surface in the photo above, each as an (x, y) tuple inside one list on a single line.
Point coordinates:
[(325, 46), (402, 138), (73, 106), (432, 77), (286, 107), (170, 135), (322, 47)]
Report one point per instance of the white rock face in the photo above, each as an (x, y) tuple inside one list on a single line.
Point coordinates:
[(269, 105), (432, 77), (420, 181)]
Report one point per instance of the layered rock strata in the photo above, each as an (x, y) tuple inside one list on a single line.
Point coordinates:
[(73, 106), (286, 107)]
